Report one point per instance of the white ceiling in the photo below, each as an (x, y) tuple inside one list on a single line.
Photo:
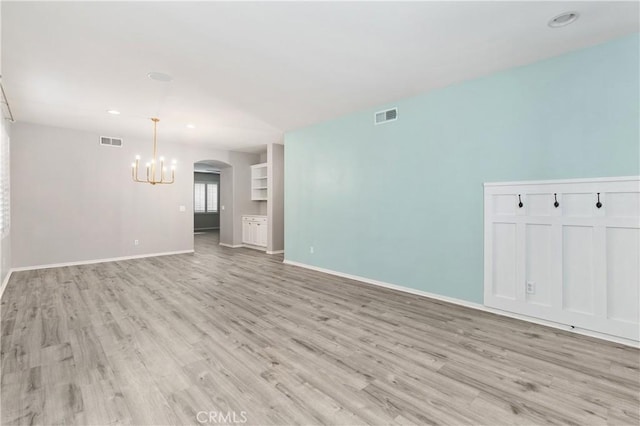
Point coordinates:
[(246, 72)]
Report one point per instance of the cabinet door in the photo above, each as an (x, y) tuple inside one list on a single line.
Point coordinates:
[(264, 234), (254, 234), (246, 231), (261, 234)]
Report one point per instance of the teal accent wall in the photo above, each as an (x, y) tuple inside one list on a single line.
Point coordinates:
[(402, 202)]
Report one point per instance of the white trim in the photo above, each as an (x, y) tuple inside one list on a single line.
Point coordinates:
[(5, 282), (471, 305), (252, 247), (230, 245), (89, 262), (557, 181)]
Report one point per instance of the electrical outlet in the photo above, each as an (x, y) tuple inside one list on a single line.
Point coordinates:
[(311, 249), (136, 242), (531, 287), (183, 208)]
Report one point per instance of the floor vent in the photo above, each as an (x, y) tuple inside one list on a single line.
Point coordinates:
[(104, 140), (385, 116)]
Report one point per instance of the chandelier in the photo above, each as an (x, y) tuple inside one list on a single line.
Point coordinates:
[(151, 175)]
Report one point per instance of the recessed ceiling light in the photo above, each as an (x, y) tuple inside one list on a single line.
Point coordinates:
[(190, 126), (114, 112), (563, 19), (159, 76)]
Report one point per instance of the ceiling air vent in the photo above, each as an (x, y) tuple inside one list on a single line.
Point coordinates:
[(386, 116), (104, 140)]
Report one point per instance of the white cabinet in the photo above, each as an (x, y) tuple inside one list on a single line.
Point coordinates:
[(259, 182), (566, 251), (254, 230)]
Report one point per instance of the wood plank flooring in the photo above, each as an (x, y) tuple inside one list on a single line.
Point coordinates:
[(226, 335)]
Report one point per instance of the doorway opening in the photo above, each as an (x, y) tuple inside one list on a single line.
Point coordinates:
[(211, 191)]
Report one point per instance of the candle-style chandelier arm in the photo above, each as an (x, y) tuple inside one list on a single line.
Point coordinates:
[(151, 166)]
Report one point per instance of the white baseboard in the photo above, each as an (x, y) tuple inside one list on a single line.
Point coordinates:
[(259, 248), (230, 245), (5, 282), (471, 305), (249, 246), (89, 262)]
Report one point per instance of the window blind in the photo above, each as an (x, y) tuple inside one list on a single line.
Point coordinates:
[(199, 195), (212, 197)]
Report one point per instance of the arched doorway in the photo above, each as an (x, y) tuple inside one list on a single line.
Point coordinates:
[(212, 202)]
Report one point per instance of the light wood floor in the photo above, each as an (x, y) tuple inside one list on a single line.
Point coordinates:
[(234, 331)]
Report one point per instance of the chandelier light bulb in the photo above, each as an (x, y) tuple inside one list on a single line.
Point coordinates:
[(161, 158), (148, 164), (137, 157), (133, 165), (173, 161)]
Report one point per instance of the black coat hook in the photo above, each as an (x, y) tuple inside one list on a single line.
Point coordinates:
[(598, 204), (520, 202), (556, 204)]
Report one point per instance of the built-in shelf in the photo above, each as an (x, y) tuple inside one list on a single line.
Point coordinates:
[(259, 182)]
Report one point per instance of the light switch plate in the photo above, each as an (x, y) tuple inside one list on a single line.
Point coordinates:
[(183, 208)]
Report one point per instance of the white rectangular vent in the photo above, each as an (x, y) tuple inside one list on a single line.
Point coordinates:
[(386, 116), (105, 140)]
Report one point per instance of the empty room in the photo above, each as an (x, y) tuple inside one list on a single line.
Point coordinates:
[(320, 213)]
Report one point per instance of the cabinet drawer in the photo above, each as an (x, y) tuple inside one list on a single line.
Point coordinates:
[(254, 219)]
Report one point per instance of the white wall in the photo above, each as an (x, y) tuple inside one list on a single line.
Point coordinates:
[(74, 200), (275, 156), (242, 203), (5, 242), (226, 205)]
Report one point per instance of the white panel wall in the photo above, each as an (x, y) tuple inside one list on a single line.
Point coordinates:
[(504, 260), (577, 262), (538, 263)]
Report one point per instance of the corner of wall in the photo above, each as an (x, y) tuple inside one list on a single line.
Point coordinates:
[(5, 190)]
